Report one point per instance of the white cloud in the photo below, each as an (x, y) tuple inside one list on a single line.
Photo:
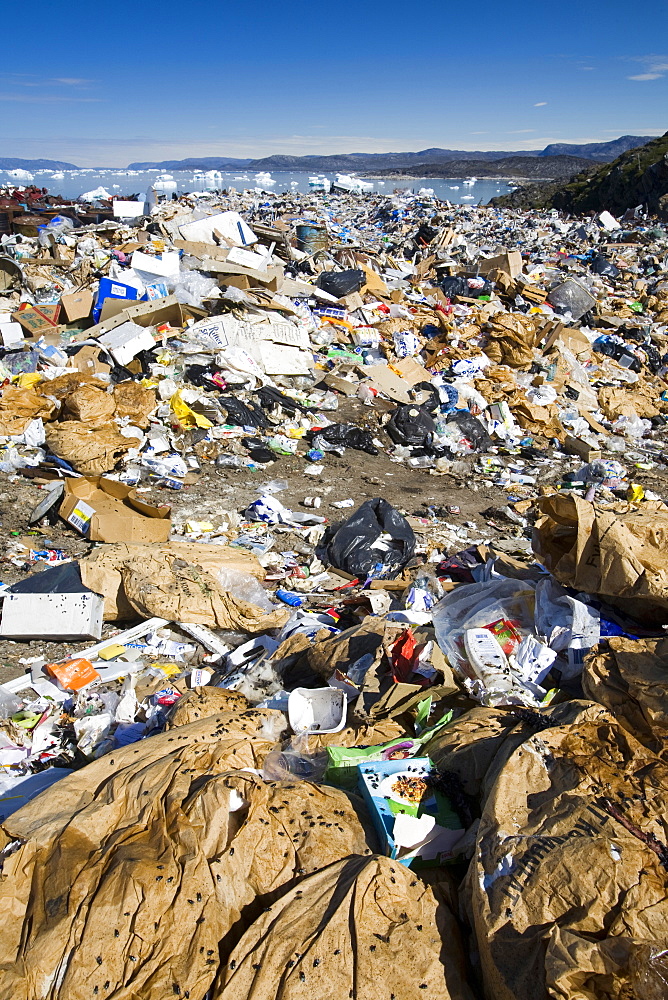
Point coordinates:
[(656, 67), (70, 81), (540, 104)]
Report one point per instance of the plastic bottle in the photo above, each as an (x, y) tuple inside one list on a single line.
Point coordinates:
[(292, 600)]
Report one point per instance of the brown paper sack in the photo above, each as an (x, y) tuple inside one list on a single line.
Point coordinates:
[(476, 746), (618, 552), (202, 703), (567, 888), (19, 406), (154, 859), (176, 581), (90, 405), (362, 927), (135, 402), (512, 339), (630, 678), (91, 451)]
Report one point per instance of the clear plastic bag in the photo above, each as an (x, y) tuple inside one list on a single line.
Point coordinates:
[(245, 587), (478, 605)]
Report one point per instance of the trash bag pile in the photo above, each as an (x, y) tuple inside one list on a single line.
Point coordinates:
[(283, 754)]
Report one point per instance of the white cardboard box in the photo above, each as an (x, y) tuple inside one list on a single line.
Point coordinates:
[(52, 616), (126, 341)]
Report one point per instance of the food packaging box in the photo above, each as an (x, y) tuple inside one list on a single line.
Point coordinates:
[(105, 510), (415, 822), (57, 617)]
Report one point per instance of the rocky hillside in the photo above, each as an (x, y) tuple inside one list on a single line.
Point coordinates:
[(637, 177), (542, 168)]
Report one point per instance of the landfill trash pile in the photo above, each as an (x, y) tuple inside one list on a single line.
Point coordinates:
[(267, 731)]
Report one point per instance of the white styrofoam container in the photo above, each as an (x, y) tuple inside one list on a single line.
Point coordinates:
[(317, 710), (52, 616)]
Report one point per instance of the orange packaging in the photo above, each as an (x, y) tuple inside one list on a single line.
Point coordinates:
[(74, 674)]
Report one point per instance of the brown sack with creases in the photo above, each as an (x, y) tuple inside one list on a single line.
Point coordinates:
[(615, 402), (202, 703), (617, 551), (477, 745), (92, 406), (107, 887), (134, 401), (630, 677), (569, 867), (91, 451), (19, 406), (362, 927), (63, 385), (175, 581), (290, 829), (511, 340)]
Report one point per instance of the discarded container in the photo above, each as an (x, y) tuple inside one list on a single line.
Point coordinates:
[(317, 710)]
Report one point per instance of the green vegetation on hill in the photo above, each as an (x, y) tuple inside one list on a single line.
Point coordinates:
[(637, 177)]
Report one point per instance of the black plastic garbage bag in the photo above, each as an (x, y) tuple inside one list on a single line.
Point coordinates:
[(375, 539), (64, 579), (340, 283), (601, 265), (473, 429), (469, 288), (270, 397), (243, 414), (349, 436), (411, 425)]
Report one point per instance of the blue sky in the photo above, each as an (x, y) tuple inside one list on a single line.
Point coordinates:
[(106, 85)]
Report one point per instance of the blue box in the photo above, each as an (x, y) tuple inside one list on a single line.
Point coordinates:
[(109, 289)]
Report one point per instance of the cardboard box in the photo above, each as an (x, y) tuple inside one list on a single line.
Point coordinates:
[(77, 305), (108, 511), (510, 261), (152, 313), (584, 450), (52, 616), (126, 341), (36, 320)]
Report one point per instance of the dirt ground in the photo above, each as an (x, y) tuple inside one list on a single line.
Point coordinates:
[(355, 475)]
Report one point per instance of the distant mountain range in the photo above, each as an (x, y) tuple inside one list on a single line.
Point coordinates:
[(11, 163), (601, 152), (433, 158)]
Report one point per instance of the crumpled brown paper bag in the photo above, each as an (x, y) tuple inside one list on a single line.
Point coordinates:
[(511, 340), (176, 581), (154, 859), (361, 927), (19, 406), (90, 450), (134, 401), (202, 703), (568, 878), (477, 745), (617, 551), (90, 405), (630, 677)]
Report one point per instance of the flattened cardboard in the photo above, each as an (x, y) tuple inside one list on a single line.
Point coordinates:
[(77, 305), (108, 511)]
